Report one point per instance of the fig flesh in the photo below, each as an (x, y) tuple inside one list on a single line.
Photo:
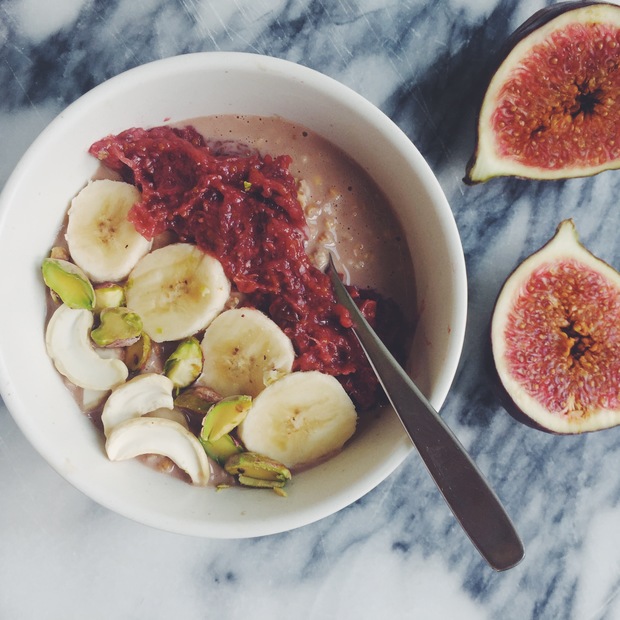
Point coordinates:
[(555, 337), (552, 108)]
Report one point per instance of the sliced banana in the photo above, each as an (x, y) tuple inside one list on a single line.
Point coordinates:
[(68, 343), (146, 435), (177, 290), (101, 240), (136, 397), (244, 351), (300, 419)]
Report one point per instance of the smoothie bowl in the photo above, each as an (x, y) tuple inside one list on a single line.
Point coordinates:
[(240, 173)]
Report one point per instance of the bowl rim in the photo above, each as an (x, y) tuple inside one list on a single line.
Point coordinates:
[(370, 111)]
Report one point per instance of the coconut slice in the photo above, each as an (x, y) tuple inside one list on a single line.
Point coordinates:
[(68, 343), (146, 435), (140, 395), (169, 414)]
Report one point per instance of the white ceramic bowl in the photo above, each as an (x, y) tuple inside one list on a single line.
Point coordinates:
[(56, 166)]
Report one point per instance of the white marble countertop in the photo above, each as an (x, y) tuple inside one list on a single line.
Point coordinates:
[(398, 552)]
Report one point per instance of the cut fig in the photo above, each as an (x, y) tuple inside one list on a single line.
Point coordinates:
[(556, 337), (552, 108)]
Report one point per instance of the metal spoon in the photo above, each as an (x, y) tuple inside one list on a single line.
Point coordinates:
[(472, 501)]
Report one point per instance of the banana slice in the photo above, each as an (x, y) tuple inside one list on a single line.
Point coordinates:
[(300, 419), (177, 290), (244, 351), (101, 240)]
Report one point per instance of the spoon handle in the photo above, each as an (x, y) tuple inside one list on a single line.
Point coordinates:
[(472, 501)]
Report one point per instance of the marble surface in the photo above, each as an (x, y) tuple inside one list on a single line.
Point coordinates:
[(396, 553)]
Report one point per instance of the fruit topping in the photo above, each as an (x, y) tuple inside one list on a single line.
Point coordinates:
[(177, 290), (552, 108), (244, 351), (300, 419), (556, 338), (231, 398), (243, 209), (100, 238)]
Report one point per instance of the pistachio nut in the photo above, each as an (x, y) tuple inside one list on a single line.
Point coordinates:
[(197, 399), (69, 282), (224, 416), (138, 353), (221, 449), (185, 364), (257, 470), (118, 327), (109, 296)]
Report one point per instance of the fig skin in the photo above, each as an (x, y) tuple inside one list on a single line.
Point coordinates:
[(505, 165), (578, 365), (542, 17)]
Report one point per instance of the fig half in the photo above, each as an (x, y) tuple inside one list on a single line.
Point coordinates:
[(552, 108), (555, 337)]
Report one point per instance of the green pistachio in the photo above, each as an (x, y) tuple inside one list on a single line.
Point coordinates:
[(259, 483), (221, 449), (69, 282), (138, 353), (185, 364), (118, 327), (224, 416), (257, 470), (197, 399), (109, 296)]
